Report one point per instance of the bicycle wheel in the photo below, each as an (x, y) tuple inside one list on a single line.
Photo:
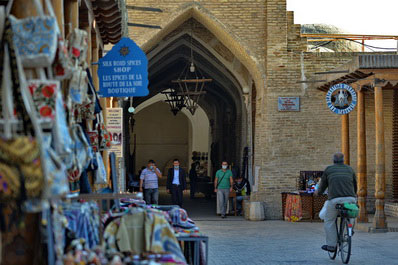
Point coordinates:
[(333, 254), (345, 242)]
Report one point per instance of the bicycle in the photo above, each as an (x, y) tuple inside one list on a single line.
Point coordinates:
[(344, 229)]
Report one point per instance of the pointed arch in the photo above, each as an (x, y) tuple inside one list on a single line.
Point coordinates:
[(227, 38)]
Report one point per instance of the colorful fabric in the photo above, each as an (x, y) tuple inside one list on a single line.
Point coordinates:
[(109, 243), (150, 178), (164, 240), (35, 39), (133, 234), (223, 178), (293, 210), (83, 219), (180, 218), (44, 94)]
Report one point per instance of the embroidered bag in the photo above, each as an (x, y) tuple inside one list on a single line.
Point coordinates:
[(62, 140), (88, 107), (104, 137), (100, 173), (21, 170), (78, 44), (63, 66), (78, 86), (57, 181), (44, 94), (35, 38)]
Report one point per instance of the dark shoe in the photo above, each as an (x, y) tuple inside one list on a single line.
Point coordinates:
[(223, 216), (329, 248)]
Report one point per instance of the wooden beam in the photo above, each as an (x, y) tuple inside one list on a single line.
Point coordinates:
[(361, 157), (89, 43), (379, 220), (345, 138), (203, 80), (23, 9), (349, 36), (71, 8), (58, 6), (191, 93)]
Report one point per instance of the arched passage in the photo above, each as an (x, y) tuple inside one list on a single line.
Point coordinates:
[(218, 57), (198, 129)]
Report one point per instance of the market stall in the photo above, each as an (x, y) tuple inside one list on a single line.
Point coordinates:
[(303, 205), (59, 195)]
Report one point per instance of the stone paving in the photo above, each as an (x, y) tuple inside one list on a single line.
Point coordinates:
[(237, 241)]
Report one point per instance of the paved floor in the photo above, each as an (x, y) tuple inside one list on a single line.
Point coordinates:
[(237, 241)]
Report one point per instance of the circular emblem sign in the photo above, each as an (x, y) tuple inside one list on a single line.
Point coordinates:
[(341, 99)]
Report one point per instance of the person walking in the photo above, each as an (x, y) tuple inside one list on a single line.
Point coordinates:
[(223, 183), (149, 183), (192, 179), (176, 182), (341, 182)]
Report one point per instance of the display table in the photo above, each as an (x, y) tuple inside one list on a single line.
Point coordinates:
[(311, 205), (196, 240)]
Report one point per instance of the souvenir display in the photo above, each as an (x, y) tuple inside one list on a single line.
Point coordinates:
[(35, 38), (52, 138)]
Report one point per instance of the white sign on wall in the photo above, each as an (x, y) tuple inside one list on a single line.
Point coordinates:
[(114, 125), (288, 104)]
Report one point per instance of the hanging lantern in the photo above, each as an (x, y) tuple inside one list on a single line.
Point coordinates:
[(175, 101), (191, 83)]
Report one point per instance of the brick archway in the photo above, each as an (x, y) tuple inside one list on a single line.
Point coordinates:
[(226, 37)]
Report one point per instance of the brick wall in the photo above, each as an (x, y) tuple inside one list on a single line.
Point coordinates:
[(285, 142)]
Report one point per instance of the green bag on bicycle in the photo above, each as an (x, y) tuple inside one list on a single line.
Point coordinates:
[(352, 209)]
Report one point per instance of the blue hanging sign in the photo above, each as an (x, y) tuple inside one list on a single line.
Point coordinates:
[(123, 71)]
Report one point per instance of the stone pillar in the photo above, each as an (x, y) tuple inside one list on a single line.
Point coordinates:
[(361, 158), (345, 138), (379, 221)]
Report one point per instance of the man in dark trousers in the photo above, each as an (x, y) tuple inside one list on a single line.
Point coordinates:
[(176, 182)]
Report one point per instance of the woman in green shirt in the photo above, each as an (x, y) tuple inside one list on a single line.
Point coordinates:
[(223, 186)]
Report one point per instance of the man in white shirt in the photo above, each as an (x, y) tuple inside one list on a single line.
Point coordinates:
[(149, 183), (176, 182)]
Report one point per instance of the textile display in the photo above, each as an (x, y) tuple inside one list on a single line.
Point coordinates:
[(293, 210), (83, 219), (140, 230), (36, 38)]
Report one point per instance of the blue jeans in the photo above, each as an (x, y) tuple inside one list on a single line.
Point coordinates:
[(151, 196), (239, 200)]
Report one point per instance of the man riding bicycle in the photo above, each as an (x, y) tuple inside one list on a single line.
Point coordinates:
[(341, 182)]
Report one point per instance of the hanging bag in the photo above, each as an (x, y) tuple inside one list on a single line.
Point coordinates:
[(35, 38), (62, 140), (78, 44), (44, 93), (100, 173), (63, 65), (21, 170), (104, 137), (78, 86), (57, 181), (88, 108)]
